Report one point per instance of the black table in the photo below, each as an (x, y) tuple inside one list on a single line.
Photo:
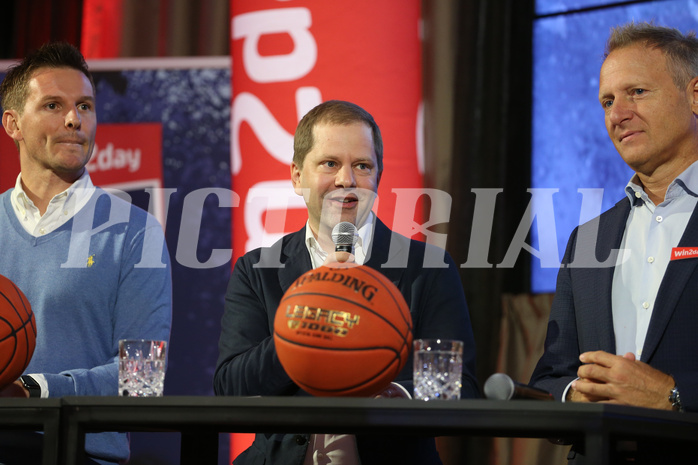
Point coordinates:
[(34, 415), (200, 419)]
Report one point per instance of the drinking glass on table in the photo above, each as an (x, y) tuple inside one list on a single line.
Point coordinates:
[(141, 367), (438, 366)]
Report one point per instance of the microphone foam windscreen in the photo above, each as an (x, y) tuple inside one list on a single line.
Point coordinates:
[(499, 387)]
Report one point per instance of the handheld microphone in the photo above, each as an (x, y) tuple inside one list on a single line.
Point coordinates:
[(501, 387), (344, 237)]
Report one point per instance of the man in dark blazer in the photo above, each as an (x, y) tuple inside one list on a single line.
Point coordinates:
[(336, 168), (624, 321)]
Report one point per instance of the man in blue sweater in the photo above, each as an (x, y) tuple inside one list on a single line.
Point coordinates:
[(94, 268)]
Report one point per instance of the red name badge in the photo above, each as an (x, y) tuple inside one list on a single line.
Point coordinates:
[(680, 253)]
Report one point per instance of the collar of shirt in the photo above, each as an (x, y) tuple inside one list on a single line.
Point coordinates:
[(363, 244), (685, 183), (60, 210), (650, 233)]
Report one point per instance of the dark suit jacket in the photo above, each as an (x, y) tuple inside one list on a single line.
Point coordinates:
[(581, 318), (248, 365)]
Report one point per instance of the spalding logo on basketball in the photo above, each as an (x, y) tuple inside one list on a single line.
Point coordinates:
[(343, 331), (17, 332)]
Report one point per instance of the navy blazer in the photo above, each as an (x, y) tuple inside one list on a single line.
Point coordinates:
[(581, 318), (248, 365)]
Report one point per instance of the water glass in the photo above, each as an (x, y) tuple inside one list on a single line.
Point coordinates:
[(438, 366), (141, 367)]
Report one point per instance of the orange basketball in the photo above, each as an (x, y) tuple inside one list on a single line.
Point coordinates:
[(17, 332), (343, 331)]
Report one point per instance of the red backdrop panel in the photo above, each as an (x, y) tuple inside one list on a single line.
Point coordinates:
[(289, 56), (287, 60)]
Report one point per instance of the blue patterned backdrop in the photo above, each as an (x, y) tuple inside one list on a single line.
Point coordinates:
[(193, 106)]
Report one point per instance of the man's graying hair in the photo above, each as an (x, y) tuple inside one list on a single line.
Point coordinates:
[(681, 50)]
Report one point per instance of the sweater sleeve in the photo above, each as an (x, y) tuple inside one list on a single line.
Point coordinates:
[(141, 308)]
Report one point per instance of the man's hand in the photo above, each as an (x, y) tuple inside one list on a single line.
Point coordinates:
[(339, 259), (614, 379), (15, 389), (573, 395)]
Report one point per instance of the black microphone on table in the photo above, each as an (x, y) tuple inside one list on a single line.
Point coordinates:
[(501, 387), (344, 237)]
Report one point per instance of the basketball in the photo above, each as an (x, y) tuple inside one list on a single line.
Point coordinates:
[(343, 331), (17, 332)]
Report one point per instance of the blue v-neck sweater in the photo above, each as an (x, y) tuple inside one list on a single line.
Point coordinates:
[(101, 277)]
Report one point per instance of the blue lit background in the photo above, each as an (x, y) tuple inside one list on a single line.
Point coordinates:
[(571, 149)]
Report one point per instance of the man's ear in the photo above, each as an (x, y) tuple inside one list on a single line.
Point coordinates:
[(296, 178), (10, 121), (693, 89)]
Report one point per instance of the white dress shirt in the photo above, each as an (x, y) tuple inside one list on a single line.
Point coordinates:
[(60, 210), (336, 449)]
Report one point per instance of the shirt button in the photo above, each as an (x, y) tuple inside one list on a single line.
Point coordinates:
[(650, 260), (638, 194), (300, 440), (645, 305), (659, 219), (42, 231)]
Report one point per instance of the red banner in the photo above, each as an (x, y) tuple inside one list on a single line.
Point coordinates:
[(102, 24), (9, 162), (127, 154), (286, 60), (288, 57)]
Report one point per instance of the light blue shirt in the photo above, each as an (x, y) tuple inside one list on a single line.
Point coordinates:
[(650, 234)]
